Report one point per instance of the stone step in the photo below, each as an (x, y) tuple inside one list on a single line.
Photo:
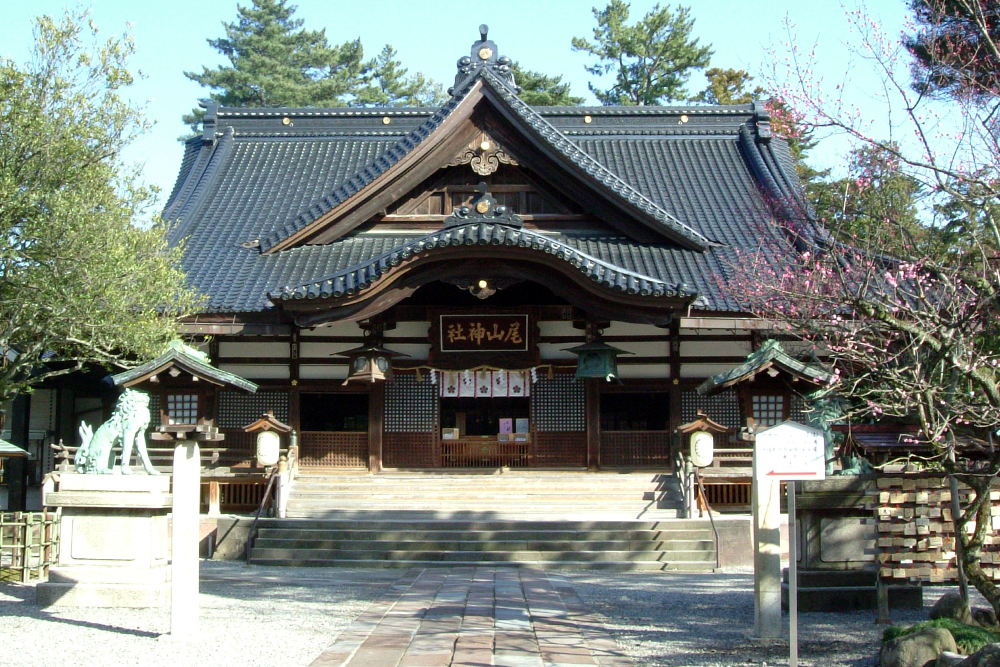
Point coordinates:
[(567, 536), (373, 521), (612, 566), (476, 556), (484, 545)]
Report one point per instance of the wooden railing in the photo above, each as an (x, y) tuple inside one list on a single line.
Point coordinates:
[(29, 544), (484, 453), (344, 449), (232, 495)]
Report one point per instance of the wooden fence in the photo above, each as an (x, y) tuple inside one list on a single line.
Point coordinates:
[(29, 544)]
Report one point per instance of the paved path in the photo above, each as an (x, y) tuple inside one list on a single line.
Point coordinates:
[(475, 617)]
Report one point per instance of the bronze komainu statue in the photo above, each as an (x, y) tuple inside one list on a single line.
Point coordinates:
[(127, 426)]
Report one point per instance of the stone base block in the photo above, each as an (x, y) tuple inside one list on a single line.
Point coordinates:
[(84, 574), (853, 598), (102, 595)]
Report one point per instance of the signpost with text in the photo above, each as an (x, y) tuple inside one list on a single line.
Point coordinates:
[(786, 452)]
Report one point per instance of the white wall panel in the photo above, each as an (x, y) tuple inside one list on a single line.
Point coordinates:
[(272, 372), (333, 329), (322, 350), (715, 349), (552, 351), (255, 350), (656, 349), (644, 371), (309, 372), (412, 351), (630, 329), (409, 330), (559, 329), (703, 370)]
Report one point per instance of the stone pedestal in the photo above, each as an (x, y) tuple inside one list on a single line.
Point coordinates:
[(114, 550)]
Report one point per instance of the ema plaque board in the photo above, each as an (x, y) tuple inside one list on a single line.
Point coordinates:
[(790, 451)]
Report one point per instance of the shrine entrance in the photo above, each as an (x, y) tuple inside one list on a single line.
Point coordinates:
[(334, 429), (427, 427)]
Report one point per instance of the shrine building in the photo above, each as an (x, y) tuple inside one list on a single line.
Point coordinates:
[(485, 284)]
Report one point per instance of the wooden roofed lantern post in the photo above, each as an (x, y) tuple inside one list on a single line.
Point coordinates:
[(697, 439), (269, 431), (186, 383)]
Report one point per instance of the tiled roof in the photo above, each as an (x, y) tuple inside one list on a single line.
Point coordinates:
[(174, 357), (584, 254), (703, 173), (769, 355)]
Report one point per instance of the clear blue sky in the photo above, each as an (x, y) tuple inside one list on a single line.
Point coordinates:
[(430, 36)]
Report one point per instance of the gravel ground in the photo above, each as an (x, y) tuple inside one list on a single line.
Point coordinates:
[(704, 620), (261, 616), (265, 616)]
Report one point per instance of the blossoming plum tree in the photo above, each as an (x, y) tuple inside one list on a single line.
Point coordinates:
[(906, 308)]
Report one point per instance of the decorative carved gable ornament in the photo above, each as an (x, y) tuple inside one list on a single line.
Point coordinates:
[(484, 208), (484, 154)]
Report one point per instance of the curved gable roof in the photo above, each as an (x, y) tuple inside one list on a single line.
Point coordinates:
[(485, 84)]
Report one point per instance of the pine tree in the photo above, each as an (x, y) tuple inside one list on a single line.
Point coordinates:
[(651, 60), (539, 89), (728, 86), (389, 86), (954, 47), (273, 61)]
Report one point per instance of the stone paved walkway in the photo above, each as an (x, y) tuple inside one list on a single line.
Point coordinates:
[(475, 617)]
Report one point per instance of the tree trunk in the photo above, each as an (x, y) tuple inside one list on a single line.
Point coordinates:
[(972, 545)]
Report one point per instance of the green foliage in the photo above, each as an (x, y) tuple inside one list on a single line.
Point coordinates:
[(876, 192), (968, 638), (275, 62), (728, 86), (651, 60), (80, 280), (541, 90), (788, 124), (388, 86), (954, 48)]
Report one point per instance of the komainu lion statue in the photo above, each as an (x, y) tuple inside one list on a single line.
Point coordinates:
[(128, 426)]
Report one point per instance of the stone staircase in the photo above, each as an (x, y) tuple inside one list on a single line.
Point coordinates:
[(544, 519), (475, 494)]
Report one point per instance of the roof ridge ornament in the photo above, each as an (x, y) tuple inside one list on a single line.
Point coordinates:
[(483, 208), (483, 55)]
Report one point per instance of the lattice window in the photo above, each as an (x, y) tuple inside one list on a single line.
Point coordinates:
[(237, 409), (182, 408), (411, 406), (558, 404), (722, 408), (800, 410), (768, 409), (154, 411)]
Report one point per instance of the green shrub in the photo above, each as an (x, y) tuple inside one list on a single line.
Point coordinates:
[(968, 638)]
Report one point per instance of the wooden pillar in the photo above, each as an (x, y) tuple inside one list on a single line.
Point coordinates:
[(675, 381), (376, 416), (214, 498), (592, 408)]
